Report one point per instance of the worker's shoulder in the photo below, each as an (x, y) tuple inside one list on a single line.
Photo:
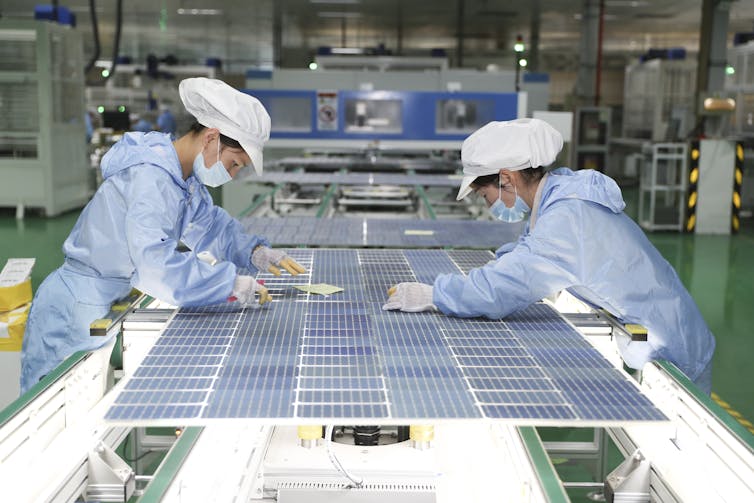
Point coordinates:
[(157, 169), (574, 216), (560, 207), (151, 178), (575, 204)]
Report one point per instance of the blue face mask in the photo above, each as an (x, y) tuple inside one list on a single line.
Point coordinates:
[(215, 175), (509, 215)]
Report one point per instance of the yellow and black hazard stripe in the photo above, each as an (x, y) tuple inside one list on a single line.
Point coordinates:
[(738, 177), (692, 193), (730, 410)]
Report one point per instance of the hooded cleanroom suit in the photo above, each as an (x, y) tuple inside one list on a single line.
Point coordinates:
[(127, 237), (580, 240)]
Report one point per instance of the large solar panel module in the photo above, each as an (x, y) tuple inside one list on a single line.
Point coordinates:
[(307, 358), (382, 232)]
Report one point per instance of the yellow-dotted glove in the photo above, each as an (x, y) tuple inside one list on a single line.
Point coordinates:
[(410, 297), (246, 288), (267, 259)]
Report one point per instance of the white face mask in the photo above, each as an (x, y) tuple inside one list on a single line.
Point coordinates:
[(515, 213), (215, 175)]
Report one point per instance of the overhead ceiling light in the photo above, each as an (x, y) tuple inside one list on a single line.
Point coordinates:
[(347, 50), (200, 12), (336, 14), (626, 3), (719, 104), (336, 1), (606, 17)]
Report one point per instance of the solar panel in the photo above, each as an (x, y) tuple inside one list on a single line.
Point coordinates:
[(400, 233), (356, 179), (371, 163), (311, 359)]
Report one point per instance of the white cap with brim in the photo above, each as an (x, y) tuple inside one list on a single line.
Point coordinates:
[(237, 115), (513, 145)]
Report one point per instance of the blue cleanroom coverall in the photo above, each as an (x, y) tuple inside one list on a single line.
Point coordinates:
[(127, 237), (582, 241)]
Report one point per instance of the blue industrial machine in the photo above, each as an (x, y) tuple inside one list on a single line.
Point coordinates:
[(421, 118)]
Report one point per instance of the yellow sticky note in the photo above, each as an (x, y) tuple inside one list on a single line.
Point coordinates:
[(319, 289), (418, 232)]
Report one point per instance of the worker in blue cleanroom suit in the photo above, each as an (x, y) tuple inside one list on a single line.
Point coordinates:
[(152, 198), (142, 125), (166, 122), (88, 126), (578, 239)]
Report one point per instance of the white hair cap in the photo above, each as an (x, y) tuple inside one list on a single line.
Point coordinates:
[(237, 115), (514, 145)]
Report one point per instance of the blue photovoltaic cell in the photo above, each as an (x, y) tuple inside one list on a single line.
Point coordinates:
[(311, 358), (375, 232)]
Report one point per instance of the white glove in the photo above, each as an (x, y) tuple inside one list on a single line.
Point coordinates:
[(207, 258), (266, 259), (410, 297), (246, 287)]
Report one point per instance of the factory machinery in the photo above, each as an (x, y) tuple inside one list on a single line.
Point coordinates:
[(366, 153), (42, 146), (59, 441)]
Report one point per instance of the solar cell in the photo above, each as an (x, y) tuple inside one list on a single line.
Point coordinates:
[(315, 359), (375, 232)]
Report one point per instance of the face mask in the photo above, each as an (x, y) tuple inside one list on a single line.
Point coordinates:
[(213, 176), (510, 215)]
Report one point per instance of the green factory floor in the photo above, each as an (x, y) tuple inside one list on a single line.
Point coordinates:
[(716, 270)]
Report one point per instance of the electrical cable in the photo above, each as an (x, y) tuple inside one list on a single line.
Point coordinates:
[(95, 30), (132, 438), (116, 42), (355, 481), (139, 457)]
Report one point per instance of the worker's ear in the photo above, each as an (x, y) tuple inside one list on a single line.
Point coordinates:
[(210, 135), (506, 177)]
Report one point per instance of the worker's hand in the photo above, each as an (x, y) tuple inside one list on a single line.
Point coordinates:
[(410, 297), (266, 259), (246, 287)]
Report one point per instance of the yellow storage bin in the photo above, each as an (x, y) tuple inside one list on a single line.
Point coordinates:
[(12, 326)]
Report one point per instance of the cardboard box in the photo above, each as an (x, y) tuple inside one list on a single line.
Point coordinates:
[(12, 326)]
